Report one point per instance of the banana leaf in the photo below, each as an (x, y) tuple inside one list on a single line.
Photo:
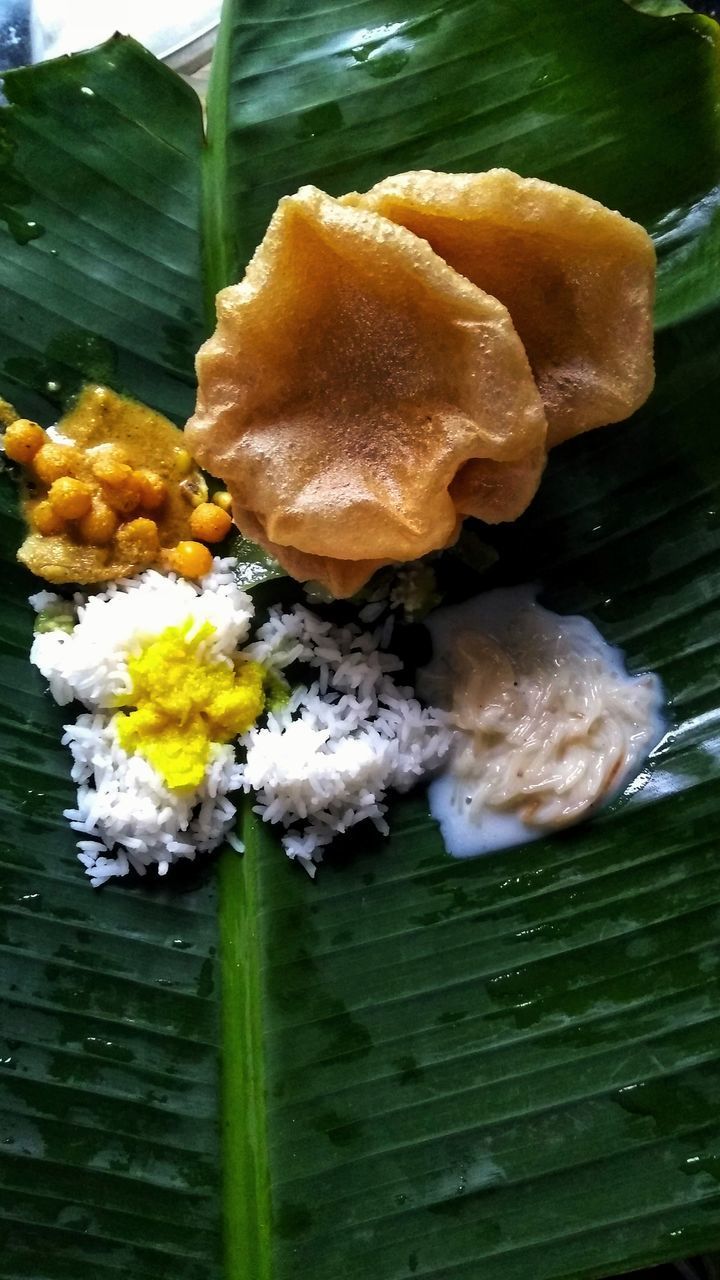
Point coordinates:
[(503, 1067)]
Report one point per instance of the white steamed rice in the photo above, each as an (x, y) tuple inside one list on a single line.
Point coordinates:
[(124, 806), (322, 764), (90, 664), (327, 760), (126, 815)]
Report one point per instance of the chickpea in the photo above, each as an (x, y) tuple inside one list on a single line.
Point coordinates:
[(153, 490), (99, 525), (23, 439), (190, 559), (107, 453), (111, 470), (46, 520), (55, 460), (183, 462), (210, 523), (71, 498), (126, 496), (223, 500), (139, 540)]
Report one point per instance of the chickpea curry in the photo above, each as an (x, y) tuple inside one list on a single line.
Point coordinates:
[(110, 491)]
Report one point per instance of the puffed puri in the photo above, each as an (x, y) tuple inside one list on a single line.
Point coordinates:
[(359, 396), (577, 278)]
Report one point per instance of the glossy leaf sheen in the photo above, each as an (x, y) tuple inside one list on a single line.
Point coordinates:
[(606, 101), (505, 1067), (501, 1068), (109, 285), (109, 1163), (509, 1067)]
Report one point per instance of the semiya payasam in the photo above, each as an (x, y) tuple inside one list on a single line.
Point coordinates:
[(549, 722), (359, 397), (111, 487), (577, 279)]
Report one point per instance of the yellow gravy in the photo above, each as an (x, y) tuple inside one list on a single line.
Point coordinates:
[(100, 417)]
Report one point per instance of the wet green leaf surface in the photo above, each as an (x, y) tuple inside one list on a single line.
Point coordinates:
[(507, 1067), (109, 1033)]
